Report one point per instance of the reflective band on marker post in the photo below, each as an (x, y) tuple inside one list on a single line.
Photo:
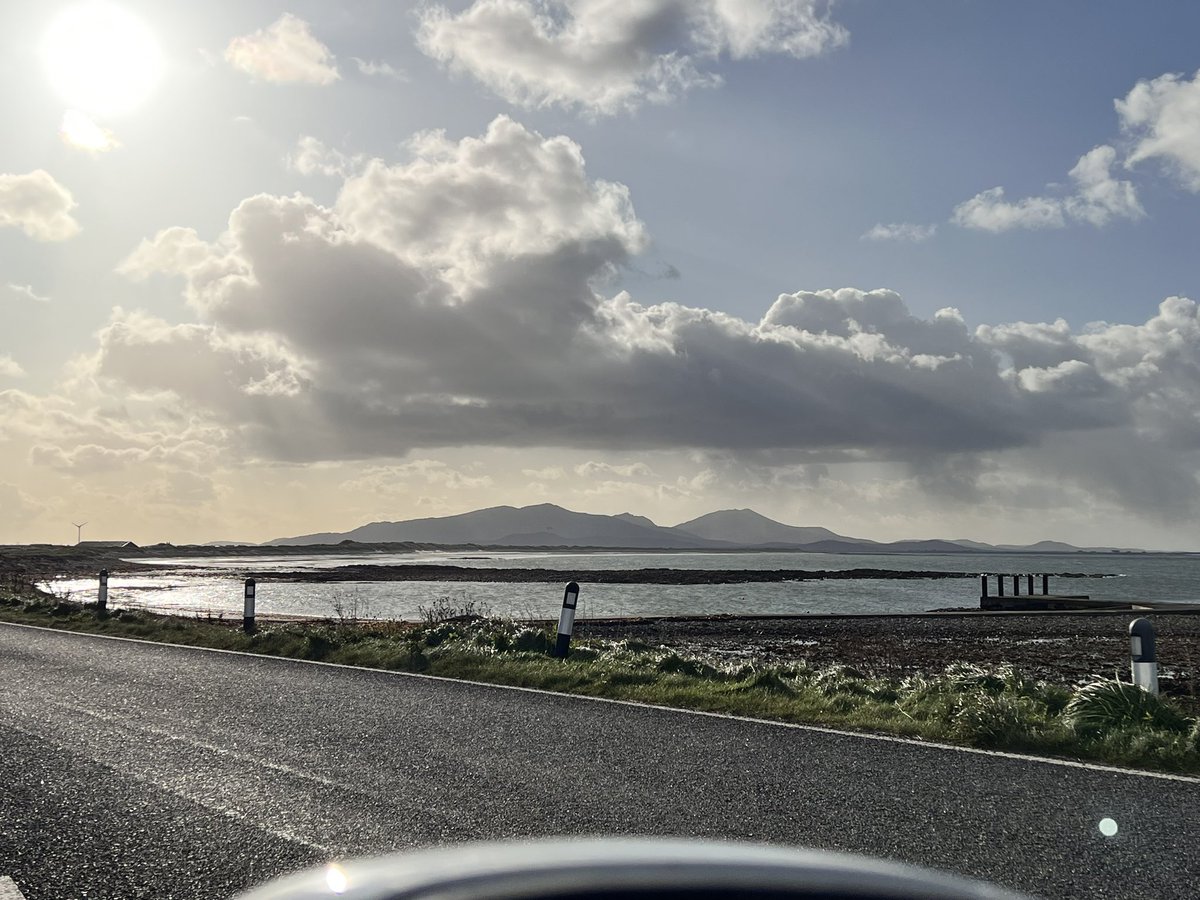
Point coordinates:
[(566, 621), (1143, 657)]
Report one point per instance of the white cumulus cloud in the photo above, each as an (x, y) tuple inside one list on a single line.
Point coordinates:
[(38, 205), (607, 57), (312, 157), (1096, 198), (285, 52), (1162, 116), (9, 367), (1099, 198)]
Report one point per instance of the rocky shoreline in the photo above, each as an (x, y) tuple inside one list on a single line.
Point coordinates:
[(1061, 647)]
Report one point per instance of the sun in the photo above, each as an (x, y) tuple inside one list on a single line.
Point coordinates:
[(101, 59)]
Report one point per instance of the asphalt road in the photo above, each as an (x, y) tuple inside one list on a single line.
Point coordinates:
[(138, 770)]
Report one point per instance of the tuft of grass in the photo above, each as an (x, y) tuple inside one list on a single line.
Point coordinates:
[(993, 708), (839, 679), (1107, 705), (448, 609), (673, 663)]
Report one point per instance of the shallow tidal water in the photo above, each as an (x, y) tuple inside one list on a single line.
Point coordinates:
[(214, 586)]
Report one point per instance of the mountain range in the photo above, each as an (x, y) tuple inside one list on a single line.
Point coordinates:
[(547, 525)]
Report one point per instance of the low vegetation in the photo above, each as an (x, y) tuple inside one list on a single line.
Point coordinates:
[(1105, 720)]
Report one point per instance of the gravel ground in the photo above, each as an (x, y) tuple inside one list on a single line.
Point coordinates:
[(1062, 647)]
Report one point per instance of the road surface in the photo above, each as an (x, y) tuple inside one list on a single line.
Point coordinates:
[(141, 770)]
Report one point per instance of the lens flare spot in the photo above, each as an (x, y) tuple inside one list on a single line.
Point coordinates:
[(1108, 827), (336, 878)]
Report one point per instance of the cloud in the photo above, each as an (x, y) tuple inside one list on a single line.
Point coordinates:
[(1160, 121), (550, 473), (989, 211), (10, 368), (907, 232), (399, 478), (27, 291), (173, 250), (92, 458), (454, 299), (83, 431), (608, 58), (19, 509), (312, 157), (1163, 117), (592, 469), (450, 300), (469, 208), (1097, 198), (38, 205), (79, 131), (373, 68), (285, 52)]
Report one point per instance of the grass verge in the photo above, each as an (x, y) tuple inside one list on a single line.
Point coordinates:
[(1104, 721)]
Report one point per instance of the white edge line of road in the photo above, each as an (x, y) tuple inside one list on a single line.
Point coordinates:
[(819, 729), (9, 889)]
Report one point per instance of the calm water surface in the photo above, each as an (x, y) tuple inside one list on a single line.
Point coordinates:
[(211, 585)]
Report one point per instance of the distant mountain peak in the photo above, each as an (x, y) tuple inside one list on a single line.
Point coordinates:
[(547, 524), (540, 524), (636, 520), (750, 528)]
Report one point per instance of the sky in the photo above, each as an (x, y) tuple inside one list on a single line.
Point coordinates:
[(905, 269)]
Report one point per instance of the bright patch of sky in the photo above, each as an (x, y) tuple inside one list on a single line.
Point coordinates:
[(904, 269)]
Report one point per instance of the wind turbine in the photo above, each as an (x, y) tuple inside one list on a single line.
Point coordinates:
[(78, 531)]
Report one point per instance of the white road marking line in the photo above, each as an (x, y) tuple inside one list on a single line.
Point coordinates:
[(9, 889), (205, 802), (113, 718), (818, 729)]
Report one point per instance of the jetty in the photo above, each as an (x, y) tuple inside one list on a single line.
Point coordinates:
[(1013, 600)]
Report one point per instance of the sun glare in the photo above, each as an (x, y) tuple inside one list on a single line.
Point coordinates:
[(101, 59)]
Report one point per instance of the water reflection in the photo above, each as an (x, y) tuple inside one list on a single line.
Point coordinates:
[(210, 587)]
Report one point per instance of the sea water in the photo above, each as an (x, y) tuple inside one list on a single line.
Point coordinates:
[(213, 586)]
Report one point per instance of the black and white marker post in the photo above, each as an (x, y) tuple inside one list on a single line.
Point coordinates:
[(1141, 650), (248, 610), (566, 621), (102, 593)]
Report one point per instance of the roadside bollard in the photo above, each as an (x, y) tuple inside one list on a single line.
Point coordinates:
[(1141, 650), (102, 593), (566, 621), (248, 610)]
